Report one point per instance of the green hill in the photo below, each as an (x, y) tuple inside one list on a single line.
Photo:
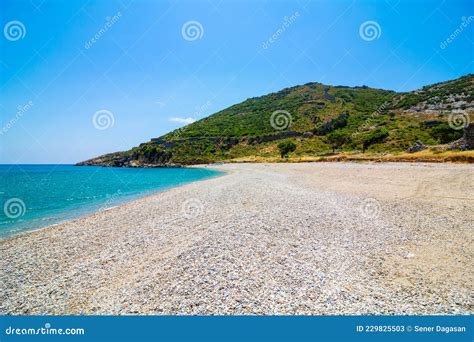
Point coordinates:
[(318, 119)]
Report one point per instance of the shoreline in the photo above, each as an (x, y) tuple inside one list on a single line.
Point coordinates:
[(211, 166), (91, 211), (305, 239)]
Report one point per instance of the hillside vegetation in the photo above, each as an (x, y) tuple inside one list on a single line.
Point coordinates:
[(319, 120)]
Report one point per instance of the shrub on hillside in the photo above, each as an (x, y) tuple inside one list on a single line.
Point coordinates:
[(336, 139), (372, 137), (286, 147), (445, 134)]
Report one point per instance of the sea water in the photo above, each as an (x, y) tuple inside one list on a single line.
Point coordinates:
[(35, 196)]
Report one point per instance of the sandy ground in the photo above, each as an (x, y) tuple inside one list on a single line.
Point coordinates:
[(319, 239)]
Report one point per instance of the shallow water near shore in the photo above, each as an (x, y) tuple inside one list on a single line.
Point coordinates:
[(36, 196)]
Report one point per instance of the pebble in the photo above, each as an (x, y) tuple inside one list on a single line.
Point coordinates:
[(265, 239)]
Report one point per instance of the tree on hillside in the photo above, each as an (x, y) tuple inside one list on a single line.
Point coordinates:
[(286, 147), (445, 134), (336, 139), (373, 137)]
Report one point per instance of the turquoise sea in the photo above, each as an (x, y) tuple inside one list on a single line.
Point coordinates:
[(34, 196)]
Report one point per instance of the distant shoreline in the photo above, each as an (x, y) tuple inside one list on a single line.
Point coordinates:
[(425, 156)]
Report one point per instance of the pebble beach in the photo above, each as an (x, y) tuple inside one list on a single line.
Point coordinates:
[(263, 239)]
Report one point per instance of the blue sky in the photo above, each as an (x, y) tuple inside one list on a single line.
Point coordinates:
[(150, 76)]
